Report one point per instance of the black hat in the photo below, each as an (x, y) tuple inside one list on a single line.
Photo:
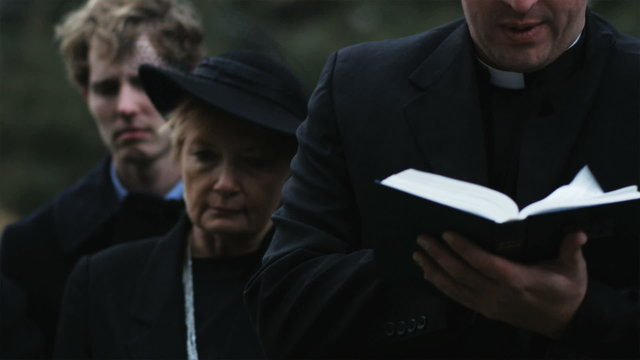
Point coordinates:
[(247, 84)]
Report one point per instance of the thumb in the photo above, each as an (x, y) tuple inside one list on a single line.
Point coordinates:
[(571, 247)]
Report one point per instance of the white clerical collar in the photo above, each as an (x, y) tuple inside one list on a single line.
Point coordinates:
[(504, 79), (508, 79)]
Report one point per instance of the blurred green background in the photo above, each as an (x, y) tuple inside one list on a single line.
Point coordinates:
[(47, 137)]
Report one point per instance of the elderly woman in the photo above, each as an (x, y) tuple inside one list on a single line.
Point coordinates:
[(233, 122)]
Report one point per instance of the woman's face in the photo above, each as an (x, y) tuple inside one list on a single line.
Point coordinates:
[(233, 173)]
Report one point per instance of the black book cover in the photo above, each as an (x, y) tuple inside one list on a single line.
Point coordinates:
[(534, 239)]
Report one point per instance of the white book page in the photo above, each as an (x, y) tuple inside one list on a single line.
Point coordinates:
[(458, 194), (583, 191)]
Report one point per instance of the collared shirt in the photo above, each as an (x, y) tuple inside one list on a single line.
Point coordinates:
[(121, 192), (509, 105)]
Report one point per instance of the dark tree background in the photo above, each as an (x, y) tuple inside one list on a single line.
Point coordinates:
[(47, 137)]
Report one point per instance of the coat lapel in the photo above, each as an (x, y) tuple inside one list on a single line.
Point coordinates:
[(157, 327), (549, 142), (446, 117), (82, 209)]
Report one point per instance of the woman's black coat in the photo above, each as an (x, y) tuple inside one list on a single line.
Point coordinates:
[(128, 302)]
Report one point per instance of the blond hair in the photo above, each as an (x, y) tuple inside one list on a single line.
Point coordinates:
[(187, 109), (170, 25), (195, 111)]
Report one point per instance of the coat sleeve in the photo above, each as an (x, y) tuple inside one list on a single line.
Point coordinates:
[(20, 338), (23, 244), (73, 340), (607, 323), (316, 292)]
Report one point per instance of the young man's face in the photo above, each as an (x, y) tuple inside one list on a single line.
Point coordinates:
[(523, 35), (126, 119)]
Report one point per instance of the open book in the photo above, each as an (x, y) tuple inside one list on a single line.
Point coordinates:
[(583, 191), (430, 203)]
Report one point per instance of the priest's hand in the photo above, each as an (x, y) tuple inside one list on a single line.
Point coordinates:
[(542, 298)]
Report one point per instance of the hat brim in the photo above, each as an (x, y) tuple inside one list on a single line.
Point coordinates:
[(167, 88)]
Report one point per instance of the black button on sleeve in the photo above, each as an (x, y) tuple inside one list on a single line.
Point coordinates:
[(390, 329), (422, 322), (401, 328), (412, 324)]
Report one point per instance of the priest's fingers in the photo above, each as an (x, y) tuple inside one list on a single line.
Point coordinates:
[(455, 267), (489, 265), (443, 281), (571, 248), (570, 263)]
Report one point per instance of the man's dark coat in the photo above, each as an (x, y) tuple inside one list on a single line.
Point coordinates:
[(19, 337), (382, 107), (127, 302), (39, 251)]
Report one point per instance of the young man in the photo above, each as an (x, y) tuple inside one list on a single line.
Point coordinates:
[(136, 191), (518, 96)]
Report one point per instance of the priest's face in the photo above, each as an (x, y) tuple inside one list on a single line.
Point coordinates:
[(523, 35)]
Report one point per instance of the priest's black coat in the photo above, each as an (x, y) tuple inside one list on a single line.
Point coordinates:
[(382, 107)]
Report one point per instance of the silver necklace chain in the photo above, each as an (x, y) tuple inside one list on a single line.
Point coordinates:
[(190, 322)]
